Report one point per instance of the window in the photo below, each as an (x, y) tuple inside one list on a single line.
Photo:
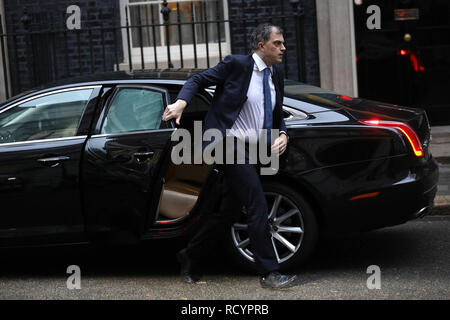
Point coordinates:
[(48, 117), (147, 13), (134, 109), (151, 39)]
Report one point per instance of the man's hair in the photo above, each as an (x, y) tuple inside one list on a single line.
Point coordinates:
[(262, 34)]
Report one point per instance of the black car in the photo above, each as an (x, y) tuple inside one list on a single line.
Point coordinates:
[(90, 159)]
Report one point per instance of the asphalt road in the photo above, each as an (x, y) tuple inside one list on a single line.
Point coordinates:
[(413, 258)]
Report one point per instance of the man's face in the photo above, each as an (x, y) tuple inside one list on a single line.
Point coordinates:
[(273, 49)]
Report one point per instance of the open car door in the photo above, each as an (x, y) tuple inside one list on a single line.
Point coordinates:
[(191, 190), (122, 162)]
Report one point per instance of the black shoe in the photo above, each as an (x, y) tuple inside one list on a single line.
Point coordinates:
[(275, 280), (186, 267)]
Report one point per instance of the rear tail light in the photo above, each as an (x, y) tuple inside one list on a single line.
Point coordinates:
[(404, 128)]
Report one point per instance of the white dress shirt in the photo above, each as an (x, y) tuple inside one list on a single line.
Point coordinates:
[(250, 121)]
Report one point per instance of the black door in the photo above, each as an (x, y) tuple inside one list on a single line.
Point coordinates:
[(40, 152), (123, 161), (407, 60)]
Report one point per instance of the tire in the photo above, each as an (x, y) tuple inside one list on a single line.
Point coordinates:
[(296, 213)]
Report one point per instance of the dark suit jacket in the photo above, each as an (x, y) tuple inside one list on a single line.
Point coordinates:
[(232, 78)]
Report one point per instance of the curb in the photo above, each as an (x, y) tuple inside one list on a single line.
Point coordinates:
[(441, 206), (442, 200), (440, 150)]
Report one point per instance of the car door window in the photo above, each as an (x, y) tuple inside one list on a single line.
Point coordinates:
[(51, 116), (134, 109)]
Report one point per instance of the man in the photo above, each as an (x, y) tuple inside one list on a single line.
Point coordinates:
[(248, 96)]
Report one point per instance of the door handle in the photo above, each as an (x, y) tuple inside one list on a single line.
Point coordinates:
[(142, 156), (52, 161)]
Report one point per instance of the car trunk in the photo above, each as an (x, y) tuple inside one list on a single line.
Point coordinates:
[(368, 110), (362, 109)]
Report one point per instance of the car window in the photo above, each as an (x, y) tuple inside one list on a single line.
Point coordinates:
[(48, 117), (134, 109), (16, 97)]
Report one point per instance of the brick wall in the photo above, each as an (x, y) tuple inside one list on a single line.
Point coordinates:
[(250, 13), (44, 50)]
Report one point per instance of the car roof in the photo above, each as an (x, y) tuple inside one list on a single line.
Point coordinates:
[(156, 76), (177, 76), (123, 75)]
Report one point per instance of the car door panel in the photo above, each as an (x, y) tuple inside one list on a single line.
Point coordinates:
[(40, 198), (120, 169)]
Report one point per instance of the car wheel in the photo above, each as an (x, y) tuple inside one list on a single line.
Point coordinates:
[(294, 229)]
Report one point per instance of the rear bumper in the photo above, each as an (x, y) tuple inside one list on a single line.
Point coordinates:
[(425, 205), (425, 187), (397, 202)]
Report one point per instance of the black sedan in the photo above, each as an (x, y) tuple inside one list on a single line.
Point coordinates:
[(90, 160)]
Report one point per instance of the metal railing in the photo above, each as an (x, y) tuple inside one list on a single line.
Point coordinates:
[(33, 58)]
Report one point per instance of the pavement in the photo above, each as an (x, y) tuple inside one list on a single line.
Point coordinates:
[(412, 261), (440, 149)]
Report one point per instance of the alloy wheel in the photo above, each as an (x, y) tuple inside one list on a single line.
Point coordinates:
[(286, 228)]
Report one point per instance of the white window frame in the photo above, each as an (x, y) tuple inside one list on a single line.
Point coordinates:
[(161, 51)]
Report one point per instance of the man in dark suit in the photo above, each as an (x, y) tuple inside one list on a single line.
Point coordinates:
[(248, 97)]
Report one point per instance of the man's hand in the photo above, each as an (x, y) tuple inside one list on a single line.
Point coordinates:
[(280, 144), (174, 110)]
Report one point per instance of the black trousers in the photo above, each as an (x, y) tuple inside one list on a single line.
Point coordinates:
[(242, 187)]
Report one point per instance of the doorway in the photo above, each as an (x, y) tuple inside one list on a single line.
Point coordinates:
[(407, 61)]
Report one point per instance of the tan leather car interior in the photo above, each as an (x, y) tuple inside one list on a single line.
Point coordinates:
[(181, 190)]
